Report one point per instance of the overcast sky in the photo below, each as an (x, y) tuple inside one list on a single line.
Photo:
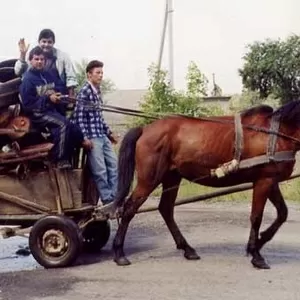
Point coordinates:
[(126, 34)]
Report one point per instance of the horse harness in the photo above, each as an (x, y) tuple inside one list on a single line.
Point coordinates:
[(271, 154)]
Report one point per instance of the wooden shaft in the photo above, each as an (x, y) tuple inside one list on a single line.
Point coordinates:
[(222, 192)]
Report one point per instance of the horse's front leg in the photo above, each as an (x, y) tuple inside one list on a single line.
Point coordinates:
[(282, 213), (261, 191)]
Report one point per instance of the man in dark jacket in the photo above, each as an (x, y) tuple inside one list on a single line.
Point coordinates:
[(57, 62), (41, 97)]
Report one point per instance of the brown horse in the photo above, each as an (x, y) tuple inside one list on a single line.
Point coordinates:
[(177, 147)]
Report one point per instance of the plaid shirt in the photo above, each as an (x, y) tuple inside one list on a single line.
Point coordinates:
[(88, 114)]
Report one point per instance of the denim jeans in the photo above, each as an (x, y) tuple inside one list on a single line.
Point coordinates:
[(103, 164)]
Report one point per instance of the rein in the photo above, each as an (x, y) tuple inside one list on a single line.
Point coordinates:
[(157, 115)]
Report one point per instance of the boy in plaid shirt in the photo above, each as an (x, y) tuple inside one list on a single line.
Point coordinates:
[(98, 136)]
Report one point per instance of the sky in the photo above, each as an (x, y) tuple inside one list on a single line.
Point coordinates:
[(126, 34)]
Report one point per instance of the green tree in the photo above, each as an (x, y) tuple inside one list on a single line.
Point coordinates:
[(107, 84), (161, 99), (273, 67), (196, 81)]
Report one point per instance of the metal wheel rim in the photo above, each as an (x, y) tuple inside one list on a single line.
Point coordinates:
[(54, 244)]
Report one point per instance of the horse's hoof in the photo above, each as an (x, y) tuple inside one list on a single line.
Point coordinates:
[(122, 261), (191, 255), (260, 263)]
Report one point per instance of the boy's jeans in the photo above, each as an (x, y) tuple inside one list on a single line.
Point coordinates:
[(103, 164)]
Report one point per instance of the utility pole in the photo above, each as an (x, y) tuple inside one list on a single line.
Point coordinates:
[(171, 52), (168, 21), (163, 36)]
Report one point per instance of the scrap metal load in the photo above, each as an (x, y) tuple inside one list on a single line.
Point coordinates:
[(9, 84), (16, 140)]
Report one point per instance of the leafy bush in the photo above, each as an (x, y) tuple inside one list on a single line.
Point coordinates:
[(161, 99)]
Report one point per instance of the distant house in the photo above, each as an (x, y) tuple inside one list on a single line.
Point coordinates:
[(223, 101), (131, 98)]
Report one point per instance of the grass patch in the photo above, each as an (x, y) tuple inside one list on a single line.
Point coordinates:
[(188, 189), (291, 189)]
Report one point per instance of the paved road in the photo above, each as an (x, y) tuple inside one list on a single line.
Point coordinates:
[(218, 231)]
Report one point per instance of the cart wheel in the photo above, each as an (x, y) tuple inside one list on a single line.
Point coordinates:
[(55, 242), (96, 235)]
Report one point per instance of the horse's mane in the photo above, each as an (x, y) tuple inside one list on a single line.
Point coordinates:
[(261, 109), (289, 112)]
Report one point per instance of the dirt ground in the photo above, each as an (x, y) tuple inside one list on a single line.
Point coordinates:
[(218, 231)]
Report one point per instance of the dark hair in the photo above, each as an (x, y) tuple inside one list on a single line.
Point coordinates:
[(35, 51), (93, 64), (47, 34)]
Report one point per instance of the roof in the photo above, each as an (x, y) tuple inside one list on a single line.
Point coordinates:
[(125, 98), (216, 98)]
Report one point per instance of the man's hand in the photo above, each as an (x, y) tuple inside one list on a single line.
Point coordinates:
[(55, 97), (50, 92), (113, 138), (87, 144), (23, 48)]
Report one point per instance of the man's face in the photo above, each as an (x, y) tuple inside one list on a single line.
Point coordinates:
[(95, 76), (38, 62), (46, 44)]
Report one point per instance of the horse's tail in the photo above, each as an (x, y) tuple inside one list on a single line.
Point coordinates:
[(126, 163)]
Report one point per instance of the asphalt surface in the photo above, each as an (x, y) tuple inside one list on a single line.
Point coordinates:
[(218, 231)]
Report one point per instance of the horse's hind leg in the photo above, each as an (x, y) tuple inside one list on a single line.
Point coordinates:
[(131, 206), (282, 213), (261, 192), (171, 183)]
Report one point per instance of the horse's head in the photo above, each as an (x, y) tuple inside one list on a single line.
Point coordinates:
[(289, 114)]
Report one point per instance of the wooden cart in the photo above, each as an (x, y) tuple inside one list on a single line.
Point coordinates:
[(57, 209)]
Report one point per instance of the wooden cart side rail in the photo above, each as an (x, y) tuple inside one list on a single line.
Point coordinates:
[(34, 217), (29, 217), (24, 203), (221, 192)]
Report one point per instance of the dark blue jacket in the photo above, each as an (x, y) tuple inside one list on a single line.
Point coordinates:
[(33, 89)]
